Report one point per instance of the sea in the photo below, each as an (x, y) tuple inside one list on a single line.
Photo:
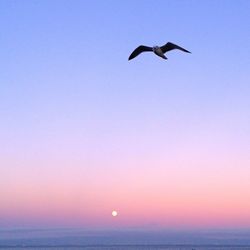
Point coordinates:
[(76, 239), (131, 247)]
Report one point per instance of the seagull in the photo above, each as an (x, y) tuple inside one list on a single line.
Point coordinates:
[(159, 51)]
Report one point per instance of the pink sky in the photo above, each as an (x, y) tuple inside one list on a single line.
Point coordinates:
[(184, 192)]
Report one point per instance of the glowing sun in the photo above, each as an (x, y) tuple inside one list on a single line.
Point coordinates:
[(114, 213)]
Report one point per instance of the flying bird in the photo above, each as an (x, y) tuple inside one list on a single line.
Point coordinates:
[(159, 51)]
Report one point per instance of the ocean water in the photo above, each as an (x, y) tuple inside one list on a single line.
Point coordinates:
[(76, 239), (132, 247)]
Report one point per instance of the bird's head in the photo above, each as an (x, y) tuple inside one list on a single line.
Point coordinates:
[(155, 48)]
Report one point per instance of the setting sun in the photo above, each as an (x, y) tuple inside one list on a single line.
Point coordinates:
[(114, 213)]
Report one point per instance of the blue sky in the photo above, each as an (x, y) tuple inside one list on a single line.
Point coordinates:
[(57, 51)]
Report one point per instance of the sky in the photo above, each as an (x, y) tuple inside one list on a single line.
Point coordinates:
[(84, 131)]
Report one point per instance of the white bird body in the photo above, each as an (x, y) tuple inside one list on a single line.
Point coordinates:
[(157, 50)]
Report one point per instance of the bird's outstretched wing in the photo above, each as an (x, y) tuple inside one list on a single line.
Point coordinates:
[(139, 50), (169, 46)]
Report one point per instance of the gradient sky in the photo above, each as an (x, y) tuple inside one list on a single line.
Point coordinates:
[(84, 131)]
